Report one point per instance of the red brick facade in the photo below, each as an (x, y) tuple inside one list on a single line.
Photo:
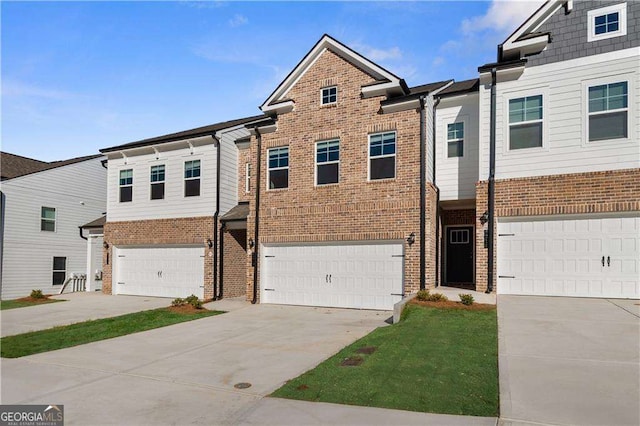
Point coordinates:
[(234, 253), (191, 230), (355, 209), (570, 194)]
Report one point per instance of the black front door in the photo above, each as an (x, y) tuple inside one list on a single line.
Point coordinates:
[(459, 252)]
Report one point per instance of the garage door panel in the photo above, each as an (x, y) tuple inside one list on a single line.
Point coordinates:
[(564, 257)]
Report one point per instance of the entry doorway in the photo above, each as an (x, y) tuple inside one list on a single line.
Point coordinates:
[(459, 256)]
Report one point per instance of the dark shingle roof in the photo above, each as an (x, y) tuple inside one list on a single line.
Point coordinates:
[(460, 87), (98, 223), (13, 166), (416, 92), (239, 212), (192, 133)]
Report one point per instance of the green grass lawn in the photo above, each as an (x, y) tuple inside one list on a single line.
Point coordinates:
[(92, 331), (434, 360), (13, 304)]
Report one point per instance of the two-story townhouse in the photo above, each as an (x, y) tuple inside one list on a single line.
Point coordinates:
[(342, 209), (558, 201), (42, 207), (165, 196)]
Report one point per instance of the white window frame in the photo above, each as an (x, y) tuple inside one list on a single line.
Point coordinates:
[(199, 177), (586, 84), (447, 140), (534, 91), (125, 186), (622, 22), (152, 182), (269, 169), (53, 270), (369, 157), (54, 220), (315, 154), (247, 178), (322, 102)]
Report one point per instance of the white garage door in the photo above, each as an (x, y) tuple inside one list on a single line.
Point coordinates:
[(363, 276), (596, 257), (162, 272)]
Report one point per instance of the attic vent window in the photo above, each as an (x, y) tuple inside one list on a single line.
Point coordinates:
[(607, 22), (329, 95)]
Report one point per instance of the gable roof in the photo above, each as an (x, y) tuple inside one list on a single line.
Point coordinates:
[(388, 82), (185, 134), (416, 91), (97, 223), (460, 87), (13, 166)]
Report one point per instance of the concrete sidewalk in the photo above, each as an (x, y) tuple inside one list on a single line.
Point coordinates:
[(569, 361), (77, 307)]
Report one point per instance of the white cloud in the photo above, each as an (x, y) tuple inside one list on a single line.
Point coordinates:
[(238, 20), (375, 54), (502, 16), (11, 88), (438, 60)]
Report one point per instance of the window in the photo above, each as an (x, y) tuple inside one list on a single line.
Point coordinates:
[(279, 168), (192, 178), (59, 270), (459, 236), (157, 182), (329, 95), (607, 22), (608, 110), (382, 156), (126, 185), (525, 122), (327, 162), (455, 140), (247, 177), (48, 219)]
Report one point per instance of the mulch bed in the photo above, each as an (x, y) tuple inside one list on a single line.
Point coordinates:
[(186, 309), (352, 361), (30, 299), (455, 305)]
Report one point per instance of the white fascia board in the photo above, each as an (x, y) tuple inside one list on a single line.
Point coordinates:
[(265, 129), (532, 24), (327, 43), (279, 108), (162, 147), (386, 88), (401, 106), (507, 73), (440, 89)]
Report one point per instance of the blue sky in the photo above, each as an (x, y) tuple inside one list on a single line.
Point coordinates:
[(80, 76)]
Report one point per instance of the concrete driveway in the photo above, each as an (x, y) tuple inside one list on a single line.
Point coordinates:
[(185, 373), (77, 307), (569, 361)]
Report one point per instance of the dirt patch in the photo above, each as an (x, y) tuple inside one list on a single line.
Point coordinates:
[(186, 309), (455, 305), (352, 361), (367, 350), (30, 299), (302, 387)]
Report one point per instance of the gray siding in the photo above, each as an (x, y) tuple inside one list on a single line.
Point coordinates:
[(569, 33)]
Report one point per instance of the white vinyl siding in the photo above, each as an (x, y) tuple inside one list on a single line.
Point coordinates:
[(78, 193), (566, 149), (456, 177)]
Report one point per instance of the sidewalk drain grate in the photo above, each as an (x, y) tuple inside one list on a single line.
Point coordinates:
[(242, 385)]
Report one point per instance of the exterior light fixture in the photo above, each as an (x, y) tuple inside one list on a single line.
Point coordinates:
[(251, 243), (105, 245), (209, 243), (484, 218), (412, 238)]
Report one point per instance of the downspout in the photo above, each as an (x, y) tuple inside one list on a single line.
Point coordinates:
[(82, 236), (215, 222), (492, 183), (423, 190), (254, 255), (437, 276), (223, 226)]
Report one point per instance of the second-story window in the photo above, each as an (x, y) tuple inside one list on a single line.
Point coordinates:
[(525, 122), (382, 156), (126, 185), (455, 140), (329, 95), (157, 182), (608, 110), (607, 22), (192, 178), (48, 219), (327, 162), (278, 168)]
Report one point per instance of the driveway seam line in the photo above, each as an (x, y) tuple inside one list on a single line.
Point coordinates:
[(624, 309)]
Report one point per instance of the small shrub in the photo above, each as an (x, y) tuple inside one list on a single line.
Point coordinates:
[(466, 299), (37, 294), (437, 297), (178, 302), (193, 301), (423, 295)]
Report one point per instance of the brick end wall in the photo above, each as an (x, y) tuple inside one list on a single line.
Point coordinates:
[(569, 194)]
